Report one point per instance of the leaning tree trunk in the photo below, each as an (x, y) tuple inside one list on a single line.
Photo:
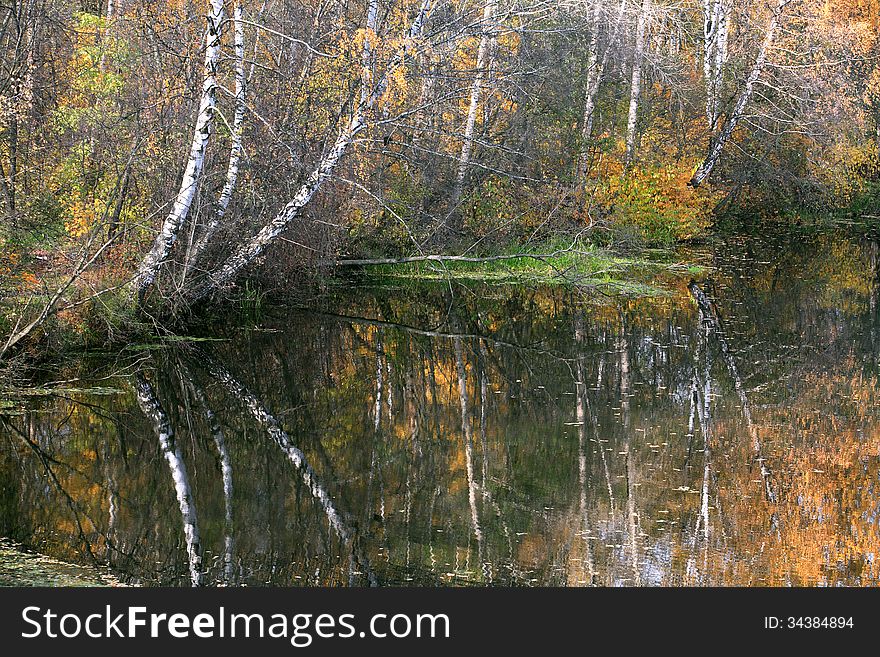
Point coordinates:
[(247, 252), (235, 150), (745, 96), (710, 317), (483, 55), (716, 16), (636, 85), (340, 522), (150, 265)]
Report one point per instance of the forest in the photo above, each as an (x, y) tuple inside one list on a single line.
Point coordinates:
[(439, 292), (161, 157)]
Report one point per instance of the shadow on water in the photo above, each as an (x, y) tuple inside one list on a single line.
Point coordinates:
[(724, 434)]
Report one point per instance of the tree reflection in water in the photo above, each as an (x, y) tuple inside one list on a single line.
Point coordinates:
[(722, 434)]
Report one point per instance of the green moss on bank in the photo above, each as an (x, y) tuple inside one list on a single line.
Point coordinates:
[(585, 267)]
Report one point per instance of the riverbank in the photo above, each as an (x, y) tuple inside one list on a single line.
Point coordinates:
[(19, 567), (109, 320)]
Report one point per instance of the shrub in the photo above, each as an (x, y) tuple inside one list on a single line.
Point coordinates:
[(656, 202)]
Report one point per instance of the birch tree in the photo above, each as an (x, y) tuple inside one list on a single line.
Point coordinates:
[(596, 71), (716, 18), (164, 242), (710, 316), (236, 149), (225, 471), (152, 408), (368, 54), (592, 73), (483, 63), (636, 83), (468, 435), (745, 95), (245, 253), (340, 521)]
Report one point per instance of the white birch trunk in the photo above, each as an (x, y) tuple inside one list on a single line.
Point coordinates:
[(483, 55), (636, 84), (705, 421), (716, 17), (711, 318), (247, 252), (595, 80), (709, 27), (226, 474), (720, 55), (339, 521), (468, 434), (368, 56), (377, 409), (149, 267), (632, 515), (236, 148), (743, 99), (592, 76), (582, 410)]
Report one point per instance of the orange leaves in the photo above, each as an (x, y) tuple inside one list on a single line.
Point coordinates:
[(657, 201), (30, 280), (12, 270)]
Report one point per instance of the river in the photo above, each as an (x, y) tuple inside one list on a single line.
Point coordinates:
[(722, 433)]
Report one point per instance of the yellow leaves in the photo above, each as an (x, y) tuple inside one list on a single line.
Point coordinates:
[(508, 41), (657, 201), (366, 36), (465, 58), (845, 167), (82, 216), (396, 92)]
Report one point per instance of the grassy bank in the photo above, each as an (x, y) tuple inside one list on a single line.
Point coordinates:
[(583, 267)]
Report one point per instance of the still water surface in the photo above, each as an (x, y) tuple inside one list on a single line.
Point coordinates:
[(725, 433)]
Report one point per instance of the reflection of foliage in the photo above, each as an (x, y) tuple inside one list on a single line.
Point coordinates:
[(406, 477)]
